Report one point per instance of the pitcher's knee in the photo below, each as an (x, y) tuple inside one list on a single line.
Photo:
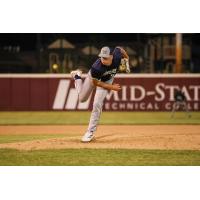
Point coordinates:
[(82, 100)]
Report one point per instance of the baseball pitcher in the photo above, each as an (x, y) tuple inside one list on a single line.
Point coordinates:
[(101, 76)]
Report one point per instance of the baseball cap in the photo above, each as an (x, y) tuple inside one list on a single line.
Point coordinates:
[(105, 52)]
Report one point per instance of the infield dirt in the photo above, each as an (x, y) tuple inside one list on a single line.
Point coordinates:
[(179, 137)]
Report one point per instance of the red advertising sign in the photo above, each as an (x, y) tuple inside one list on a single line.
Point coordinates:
[(153, 93), (141, 92)]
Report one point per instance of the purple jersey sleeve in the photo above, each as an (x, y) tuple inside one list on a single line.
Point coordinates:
[(96, 70), (95, 73), (117, 54)]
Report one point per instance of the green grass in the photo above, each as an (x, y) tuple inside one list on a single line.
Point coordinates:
[(93, 157), (99, 157), (29, 137), (123, 118)]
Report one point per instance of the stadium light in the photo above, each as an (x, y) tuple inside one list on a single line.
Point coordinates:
[(55, 66)]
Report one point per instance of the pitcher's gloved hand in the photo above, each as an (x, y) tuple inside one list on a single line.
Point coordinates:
[(124, 66)]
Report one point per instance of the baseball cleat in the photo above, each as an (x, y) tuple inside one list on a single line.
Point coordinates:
[(89, 136), (76, 73)]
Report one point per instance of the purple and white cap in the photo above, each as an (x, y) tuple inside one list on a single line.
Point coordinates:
[(105, 52)]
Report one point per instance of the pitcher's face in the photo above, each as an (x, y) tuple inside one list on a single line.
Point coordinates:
[(107, 61)]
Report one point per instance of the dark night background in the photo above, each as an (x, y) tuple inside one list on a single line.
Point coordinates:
[(28, 41), (32, 55)]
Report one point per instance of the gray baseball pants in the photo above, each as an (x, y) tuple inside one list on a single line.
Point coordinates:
[(84, 90)]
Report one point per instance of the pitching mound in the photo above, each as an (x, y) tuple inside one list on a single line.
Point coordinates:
[(126, 137)]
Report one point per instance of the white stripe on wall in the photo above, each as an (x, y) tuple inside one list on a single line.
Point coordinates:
[(61, 94), (196, 75), (72, 99)]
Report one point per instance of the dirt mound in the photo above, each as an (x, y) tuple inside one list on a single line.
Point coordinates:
[(126, 137)]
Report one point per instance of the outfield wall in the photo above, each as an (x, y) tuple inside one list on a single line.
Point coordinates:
[(55, 92)]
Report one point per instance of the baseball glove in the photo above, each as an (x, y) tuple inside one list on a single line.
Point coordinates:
[(124, 65)]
